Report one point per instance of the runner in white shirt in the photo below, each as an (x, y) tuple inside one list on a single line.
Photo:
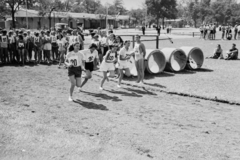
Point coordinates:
[(108, 63), (123, 61), (75, 63), (89, 56)]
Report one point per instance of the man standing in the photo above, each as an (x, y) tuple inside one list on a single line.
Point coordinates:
[(235, 31), (143, 29), (139, 54), (158, 28)]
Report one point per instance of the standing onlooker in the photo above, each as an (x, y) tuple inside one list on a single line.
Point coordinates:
[(238, 31), (235, 31), (201, 31), (143, 29), (223, 28), (139, 54), (214, 31), (158, 28)]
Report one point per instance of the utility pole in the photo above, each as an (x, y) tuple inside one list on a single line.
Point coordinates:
[(26, 13)]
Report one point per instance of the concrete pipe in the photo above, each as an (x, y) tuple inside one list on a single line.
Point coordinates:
[(176, 59), (195, 57), (155, 61)]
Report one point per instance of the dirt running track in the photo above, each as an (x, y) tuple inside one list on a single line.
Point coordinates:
[(38, 123)]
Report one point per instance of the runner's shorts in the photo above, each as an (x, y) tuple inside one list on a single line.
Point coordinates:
[(75, 71), (107, 67), (123, 65), (89, 66)]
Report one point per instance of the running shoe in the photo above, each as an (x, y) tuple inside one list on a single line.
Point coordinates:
[(70, 99), (118, 86), (101, 88)]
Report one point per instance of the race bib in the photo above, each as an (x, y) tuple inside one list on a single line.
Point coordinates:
[(90, 59), (111, 57), (73, 61), (4, 39), (48, 38), (20, 45), (36, 39), (54, 39)]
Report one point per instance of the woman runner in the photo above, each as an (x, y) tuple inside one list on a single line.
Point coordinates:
[(89, 56), (108, 63), (74, 61)]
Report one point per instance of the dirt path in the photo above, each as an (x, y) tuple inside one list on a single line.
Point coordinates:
[(37, 121)]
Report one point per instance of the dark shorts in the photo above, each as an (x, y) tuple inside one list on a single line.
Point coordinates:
[(75, 71), (89, 66)]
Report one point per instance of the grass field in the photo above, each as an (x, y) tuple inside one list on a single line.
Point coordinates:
[(131, 123)]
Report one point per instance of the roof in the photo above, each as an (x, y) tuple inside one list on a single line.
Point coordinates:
[(173, 20), (34, 13)]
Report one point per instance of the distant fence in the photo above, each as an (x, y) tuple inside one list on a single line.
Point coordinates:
[(194, 34), (156, 37)]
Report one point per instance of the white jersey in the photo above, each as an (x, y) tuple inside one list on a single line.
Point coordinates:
[(73, 39), (88, 56), (61, 44), (53, 39), (74, 58), (110, 56), (137, 53), (123, 52)]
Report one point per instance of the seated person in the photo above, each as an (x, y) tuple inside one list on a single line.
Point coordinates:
[(217, 54), (229, 36), (232, 54)]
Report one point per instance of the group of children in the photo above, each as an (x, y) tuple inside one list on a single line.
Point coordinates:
[(67, 47), (208, 31), (48, 46)]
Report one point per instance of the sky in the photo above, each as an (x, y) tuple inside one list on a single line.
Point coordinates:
[(128, 4)]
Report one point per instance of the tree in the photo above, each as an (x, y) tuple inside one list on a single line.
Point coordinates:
[(194, 11), (13, 5), (4, 10), (46, 7), (162, 9)]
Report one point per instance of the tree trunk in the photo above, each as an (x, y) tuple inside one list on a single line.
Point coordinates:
[(13, 19), (50, 21), (195, 23), (163, 23)]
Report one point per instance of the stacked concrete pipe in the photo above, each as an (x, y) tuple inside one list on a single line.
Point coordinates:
[(155, 61), (195, 57), (176, 59)]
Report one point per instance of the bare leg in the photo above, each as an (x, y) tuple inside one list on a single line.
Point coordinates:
[(88, 76), (73, 84), (104, 78), (120, 77)]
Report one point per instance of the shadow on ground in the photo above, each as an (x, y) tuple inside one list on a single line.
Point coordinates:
[(132, 94), (143, 92), (91, 105), (103, 96)]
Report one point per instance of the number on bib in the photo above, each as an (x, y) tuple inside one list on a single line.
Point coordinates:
[(36, 39), (111, 58), (90, 59), (74, 62), (20, 44), (4, 39)]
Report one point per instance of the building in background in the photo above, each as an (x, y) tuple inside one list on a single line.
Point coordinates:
[(93, 21)]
